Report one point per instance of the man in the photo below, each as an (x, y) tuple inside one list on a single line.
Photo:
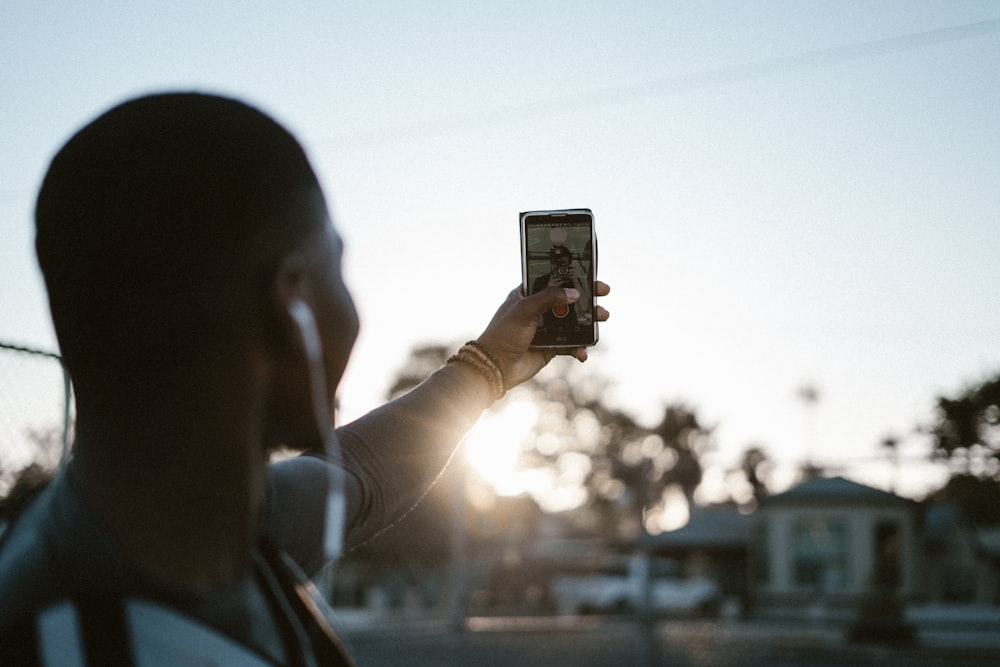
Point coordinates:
[(195, 288)]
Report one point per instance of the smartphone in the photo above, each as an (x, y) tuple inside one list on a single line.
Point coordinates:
[(559, 248)]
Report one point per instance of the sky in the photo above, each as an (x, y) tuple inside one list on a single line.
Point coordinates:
[(786, 193)]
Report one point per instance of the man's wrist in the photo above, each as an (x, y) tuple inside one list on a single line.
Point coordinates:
[(477, 357)]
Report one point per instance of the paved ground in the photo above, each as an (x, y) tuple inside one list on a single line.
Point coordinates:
[(613, 642)]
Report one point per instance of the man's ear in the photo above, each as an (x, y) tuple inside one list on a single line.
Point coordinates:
[(304, 320), (300, 363), (287, 301)]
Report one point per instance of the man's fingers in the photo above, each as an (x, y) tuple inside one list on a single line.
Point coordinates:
[(600, 289), (550, 297)]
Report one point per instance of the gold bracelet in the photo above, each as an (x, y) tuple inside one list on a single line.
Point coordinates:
[(474, 354), (494, 365), (469, 358), (484, 351)]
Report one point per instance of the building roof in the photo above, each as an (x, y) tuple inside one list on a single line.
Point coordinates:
[(834, 490), (708, 529)]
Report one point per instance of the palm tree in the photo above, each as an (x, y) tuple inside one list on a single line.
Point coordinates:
[(809, 394)]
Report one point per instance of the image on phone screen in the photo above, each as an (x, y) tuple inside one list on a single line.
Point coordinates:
[(559, 252)]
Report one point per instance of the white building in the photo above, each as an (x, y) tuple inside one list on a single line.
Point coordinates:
[(821, 547)]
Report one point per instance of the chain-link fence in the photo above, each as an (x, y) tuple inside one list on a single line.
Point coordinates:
[(36, 411)]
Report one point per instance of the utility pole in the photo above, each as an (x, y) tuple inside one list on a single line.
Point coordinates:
[(646, 649), (458, 559)]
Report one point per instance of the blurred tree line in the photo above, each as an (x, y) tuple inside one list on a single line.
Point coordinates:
[(966, 435), (18, 486)]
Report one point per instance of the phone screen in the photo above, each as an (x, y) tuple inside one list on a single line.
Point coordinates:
[(559, 248)]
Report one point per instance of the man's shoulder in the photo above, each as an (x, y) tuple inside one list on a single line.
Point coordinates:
[(29, 568), (54, 549), (295, 518)]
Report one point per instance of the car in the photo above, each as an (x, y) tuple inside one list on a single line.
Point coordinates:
[(616, 589)]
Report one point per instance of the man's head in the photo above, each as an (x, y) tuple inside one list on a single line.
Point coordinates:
[(164, 228)]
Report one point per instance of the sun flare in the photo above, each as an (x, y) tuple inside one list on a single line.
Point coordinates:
[(493, 447)]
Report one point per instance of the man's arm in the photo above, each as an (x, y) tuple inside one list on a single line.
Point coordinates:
[(391, 457), (393, 454), (396, 452)]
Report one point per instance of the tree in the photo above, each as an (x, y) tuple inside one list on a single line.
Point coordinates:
[(421, 362), (19, 486), (630, 468), (966, 434), (809, 395), (757, 467), (28, 482), (578, 430), (890, 444), (689, 440)]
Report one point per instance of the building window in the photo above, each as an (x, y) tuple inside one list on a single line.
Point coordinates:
[(820, 558)]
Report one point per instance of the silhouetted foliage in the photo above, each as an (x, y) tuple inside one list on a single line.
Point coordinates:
[(810, 470), (422, 361), (978, 498), (756, 466), (27, 484), (629, 466), (683, 434), (966, 434), (576, 427), (22, 484), (967, 430)]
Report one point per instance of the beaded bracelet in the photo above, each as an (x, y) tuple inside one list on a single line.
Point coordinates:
[(478, 357)]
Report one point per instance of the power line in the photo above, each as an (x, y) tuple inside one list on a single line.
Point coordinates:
[(673, 85), (28, 350)]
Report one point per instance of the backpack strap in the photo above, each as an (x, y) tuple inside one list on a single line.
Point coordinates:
[(106, 636), (119, 632), (53, 636), (327, 646)]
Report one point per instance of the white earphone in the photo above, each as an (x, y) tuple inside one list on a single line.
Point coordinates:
[(336, 505)]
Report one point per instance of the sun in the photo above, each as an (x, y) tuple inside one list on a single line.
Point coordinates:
[(493, 446)]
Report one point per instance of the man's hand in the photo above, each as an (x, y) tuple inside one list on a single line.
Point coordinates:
[(508, 335)]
